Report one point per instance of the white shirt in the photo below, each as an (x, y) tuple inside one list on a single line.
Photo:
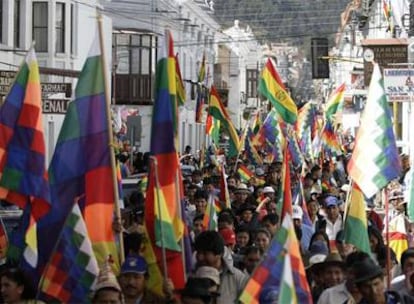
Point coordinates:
[(336, 294), (332, 229)]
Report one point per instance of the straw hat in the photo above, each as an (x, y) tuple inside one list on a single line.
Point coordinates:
[(242, 188), (333, 259)]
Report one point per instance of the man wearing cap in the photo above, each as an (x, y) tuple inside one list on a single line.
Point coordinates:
[(241, 193), (210, 273), (269, 192), (333, 217), (229, 237), (369, 279), (134, 272), (345, 292), (196, 291), (107, 289), (332, 270), (209, 247), (248, 217), (372, 216), (398, 224), (306, 231), (318, 252)]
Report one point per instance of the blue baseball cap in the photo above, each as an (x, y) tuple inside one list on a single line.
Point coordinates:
[(331, 201), (134, 264)]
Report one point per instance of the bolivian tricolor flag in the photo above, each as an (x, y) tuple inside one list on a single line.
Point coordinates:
[(218, 111), (272, 87)]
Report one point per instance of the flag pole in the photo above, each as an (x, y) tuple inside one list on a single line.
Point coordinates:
[(157, 191), (110, 137), (206, 137), (178, 187), (387, 235), (244, 134)]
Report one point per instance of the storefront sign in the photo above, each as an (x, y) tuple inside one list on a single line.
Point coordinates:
[(388, 53), (55, 106), (48, 88), (399, 84)]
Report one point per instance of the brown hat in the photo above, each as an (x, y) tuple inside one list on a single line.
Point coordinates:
[(106, 278), (333, 259)]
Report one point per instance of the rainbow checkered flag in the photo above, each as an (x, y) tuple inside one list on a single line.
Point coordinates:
[(375, 160), (73, 269), (276, 274), (163, 196), (81, 165), (23, 178)]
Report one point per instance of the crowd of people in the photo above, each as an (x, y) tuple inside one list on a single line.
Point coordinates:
[(337, 272), (224, 258)]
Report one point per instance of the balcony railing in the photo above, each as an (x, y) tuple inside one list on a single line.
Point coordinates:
[(133, 89)]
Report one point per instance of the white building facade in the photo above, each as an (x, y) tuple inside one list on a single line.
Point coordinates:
[(193, 28), (61, 42)]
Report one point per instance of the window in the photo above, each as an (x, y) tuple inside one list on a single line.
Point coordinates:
[(40, 19), (60, 27), (134, 62), (251, 83), (16, 21)]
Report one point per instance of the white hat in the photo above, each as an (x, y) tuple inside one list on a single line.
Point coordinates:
[(106, 278), (209, 273), (259, 171), (268, 189), (242, 188), (316, 259), (395, 194), (297, 212), (345, 188), (316, 189)]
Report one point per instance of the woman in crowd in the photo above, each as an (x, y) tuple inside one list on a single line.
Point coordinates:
[(262, 239)]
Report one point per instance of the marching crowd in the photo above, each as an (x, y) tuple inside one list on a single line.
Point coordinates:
[(224, 258)]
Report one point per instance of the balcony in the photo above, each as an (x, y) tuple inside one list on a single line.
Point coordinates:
[(133, 89)]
